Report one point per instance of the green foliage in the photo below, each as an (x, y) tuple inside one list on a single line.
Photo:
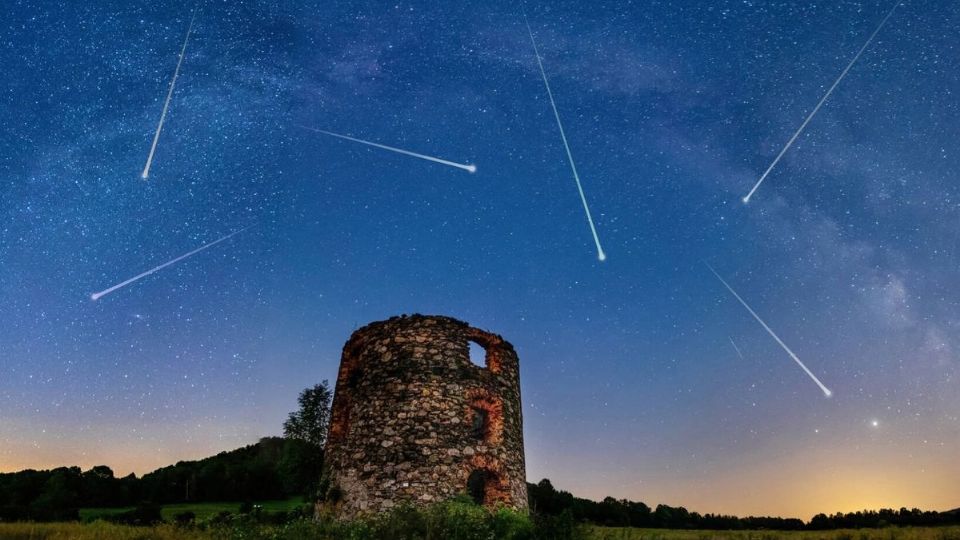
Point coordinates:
[(510, 525), (98, 531), (558, 527), (274, 468), (457, 519), (897, 533), (293, 507), (546, 500), (300, 467), (143, 515), (184, 518), (311, 421)]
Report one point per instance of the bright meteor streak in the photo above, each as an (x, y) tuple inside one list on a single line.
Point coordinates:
[(820, 104), (583, 198), (166, 103), (97, 296), (826, 391), (468, 168)]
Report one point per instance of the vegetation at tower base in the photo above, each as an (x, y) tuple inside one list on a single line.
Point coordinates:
[(414, 421)]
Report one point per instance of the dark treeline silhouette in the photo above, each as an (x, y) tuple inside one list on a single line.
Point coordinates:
[(884, 517), (274, 468), (547, 500), (56, 495)]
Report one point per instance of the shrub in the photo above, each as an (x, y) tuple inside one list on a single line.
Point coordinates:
[(402, 523), (143, 515), (456, 519), (220, 518), (184, 518), (559, 527), (511, 525)]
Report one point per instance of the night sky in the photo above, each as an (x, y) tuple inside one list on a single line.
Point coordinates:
[(631, 386)]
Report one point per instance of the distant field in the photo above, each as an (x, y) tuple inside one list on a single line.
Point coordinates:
[(202, 510), (890, 533), (106, 531), (95, 531)]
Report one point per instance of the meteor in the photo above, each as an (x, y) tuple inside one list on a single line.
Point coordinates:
[(583, 198), (97, 296), (826, 391), (166, 103), (820, 104), (740, 354), (468, 168)]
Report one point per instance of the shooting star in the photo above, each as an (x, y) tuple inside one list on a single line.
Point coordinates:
[(740, 354), (166, 103), (468, 168), (826, 391), (583, 198), (97, 296), (820, 104)]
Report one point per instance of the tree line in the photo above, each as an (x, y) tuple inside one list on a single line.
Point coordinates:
[(545, 499), (274, 468)]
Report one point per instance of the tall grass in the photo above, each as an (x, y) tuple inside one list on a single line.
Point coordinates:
[(201, 510), (98, 530), (889, 533), (448, 521)]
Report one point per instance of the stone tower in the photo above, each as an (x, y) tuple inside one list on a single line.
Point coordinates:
[(415, 421)]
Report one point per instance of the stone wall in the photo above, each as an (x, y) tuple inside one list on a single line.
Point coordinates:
[(414, 420)]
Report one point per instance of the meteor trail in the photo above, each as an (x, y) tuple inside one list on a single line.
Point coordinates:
[(740, 354), (596, 239), (826, 391), (97, 296), (468, 168), (166, 103), (820, 104)]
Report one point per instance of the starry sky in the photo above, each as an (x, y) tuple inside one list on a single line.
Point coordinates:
[(631, 385)]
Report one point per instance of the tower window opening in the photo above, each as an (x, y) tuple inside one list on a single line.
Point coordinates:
[(481, 422), (478, 354)]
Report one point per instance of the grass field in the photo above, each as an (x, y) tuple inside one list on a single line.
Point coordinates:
[(95, 531), (105, 531), (890, 533), (201, 510)]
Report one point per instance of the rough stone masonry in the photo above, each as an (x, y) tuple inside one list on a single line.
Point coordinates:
[(415, 421)]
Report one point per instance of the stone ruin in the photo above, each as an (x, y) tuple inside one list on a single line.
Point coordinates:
[(415, 421)]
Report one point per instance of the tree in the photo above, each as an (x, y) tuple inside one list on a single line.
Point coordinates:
[(311, 421)]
